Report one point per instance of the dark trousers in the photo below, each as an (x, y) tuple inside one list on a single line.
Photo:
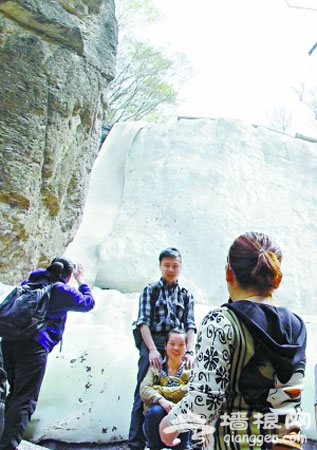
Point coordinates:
[(152, 420), (3, 392), (25, 364), (137, 439)]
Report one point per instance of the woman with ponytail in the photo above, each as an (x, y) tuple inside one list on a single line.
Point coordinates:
[(250, 361), (25, 361)]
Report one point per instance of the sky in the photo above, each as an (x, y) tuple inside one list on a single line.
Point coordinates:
[(247, 55)]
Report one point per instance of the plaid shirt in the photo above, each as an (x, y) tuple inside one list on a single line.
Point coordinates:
[(173, 308)]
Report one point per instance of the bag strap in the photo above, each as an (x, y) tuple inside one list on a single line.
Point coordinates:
[(155, 290), (155, 295)]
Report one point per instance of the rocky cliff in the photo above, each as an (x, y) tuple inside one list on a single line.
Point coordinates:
[(56, 60)]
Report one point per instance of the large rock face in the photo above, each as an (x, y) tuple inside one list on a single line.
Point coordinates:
[(196, 185), (56, 60)]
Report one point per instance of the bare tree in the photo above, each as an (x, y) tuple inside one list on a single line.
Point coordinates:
[(312, 49), (280, 118), (308, 97), (308, 8)]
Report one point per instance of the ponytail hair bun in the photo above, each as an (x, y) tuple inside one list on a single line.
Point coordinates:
[(56, 268), (256, 262), (267, 271), (60, 267)]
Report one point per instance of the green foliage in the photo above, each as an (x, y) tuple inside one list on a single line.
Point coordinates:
[(148, 79), (132, 13)]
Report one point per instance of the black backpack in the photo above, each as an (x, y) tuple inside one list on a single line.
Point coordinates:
[(154, 296), (23, 311)]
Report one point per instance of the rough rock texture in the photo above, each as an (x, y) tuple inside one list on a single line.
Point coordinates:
[(56, 60)]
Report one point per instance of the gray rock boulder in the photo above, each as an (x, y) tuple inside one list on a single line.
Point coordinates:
[(56, 61)]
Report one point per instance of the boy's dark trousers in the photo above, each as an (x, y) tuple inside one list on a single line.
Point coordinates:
[(136, 436)]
